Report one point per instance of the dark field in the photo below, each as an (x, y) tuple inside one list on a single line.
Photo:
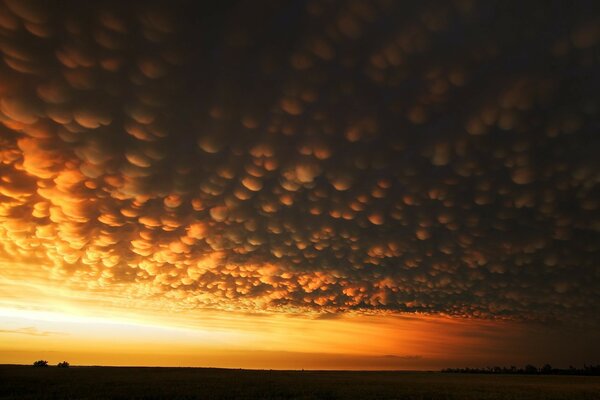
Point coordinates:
[(24, 382)]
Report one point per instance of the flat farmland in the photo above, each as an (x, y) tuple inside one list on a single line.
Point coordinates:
[(25, 382)]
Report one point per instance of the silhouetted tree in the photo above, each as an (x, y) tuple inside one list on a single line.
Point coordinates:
[(546, 369), (40, 363), (63, 364), (531, 369)]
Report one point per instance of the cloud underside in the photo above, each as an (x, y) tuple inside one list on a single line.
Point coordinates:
[(351, 156)]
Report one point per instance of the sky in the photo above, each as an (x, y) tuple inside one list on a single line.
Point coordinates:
[(300, 184)]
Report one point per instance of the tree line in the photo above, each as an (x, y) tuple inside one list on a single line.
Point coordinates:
[(529, 369), (44, 363)]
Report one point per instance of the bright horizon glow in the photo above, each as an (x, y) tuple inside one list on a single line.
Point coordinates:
[(66, 322), (61, 324)]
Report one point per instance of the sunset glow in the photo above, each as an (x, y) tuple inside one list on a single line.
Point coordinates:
[(318, 185)]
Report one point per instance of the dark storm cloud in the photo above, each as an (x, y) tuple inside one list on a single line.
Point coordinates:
[(436, 157)]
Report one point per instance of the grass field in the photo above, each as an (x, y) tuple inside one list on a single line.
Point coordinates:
[(24, 382)]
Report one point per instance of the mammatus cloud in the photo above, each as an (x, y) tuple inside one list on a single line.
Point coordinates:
[(327, 156)]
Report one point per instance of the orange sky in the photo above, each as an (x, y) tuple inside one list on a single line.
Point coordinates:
[(40, 320)]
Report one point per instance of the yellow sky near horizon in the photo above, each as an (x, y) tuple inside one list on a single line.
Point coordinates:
[(55, 322)]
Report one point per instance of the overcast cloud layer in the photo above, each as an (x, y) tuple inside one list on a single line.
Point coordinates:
[(434, 157)]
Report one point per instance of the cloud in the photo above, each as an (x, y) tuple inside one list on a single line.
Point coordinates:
[(407, 357), (357, 165), (30, 330)]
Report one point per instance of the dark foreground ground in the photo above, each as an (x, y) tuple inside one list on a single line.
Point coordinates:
[(24, 382)]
